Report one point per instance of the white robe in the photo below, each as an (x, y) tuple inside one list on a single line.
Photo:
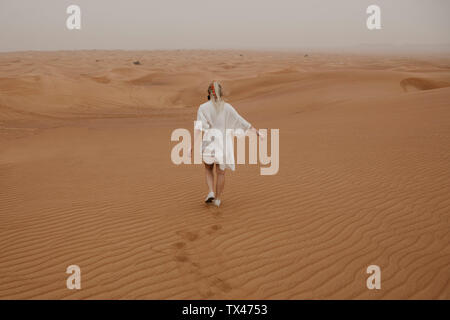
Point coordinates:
[(219, 128)]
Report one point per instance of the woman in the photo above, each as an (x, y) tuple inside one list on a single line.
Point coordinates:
[(219, 121)]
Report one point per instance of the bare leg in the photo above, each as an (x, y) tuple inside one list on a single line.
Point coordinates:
[(209, 176), (220, 181)]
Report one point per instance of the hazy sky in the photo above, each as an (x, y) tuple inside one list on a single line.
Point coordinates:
[(187, 24)]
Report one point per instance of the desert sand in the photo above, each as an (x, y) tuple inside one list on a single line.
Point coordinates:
[(86, 177)]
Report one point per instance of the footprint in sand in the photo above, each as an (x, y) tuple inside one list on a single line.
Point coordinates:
[(222, 285), (213, 229), (208, 285), (180, 254), (188, 235), (179, 245), (192, 236)]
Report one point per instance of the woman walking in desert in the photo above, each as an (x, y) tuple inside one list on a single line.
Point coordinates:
[(218, 121)]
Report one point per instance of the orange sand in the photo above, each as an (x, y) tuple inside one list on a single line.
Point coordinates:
[(86, 177)]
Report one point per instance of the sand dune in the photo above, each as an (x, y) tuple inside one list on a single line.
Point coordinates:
[(86, 177), (422, 84)]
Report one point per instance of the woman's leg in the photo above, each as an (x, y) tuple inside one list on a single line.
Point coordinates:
[(209, 176), (220, 181)]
